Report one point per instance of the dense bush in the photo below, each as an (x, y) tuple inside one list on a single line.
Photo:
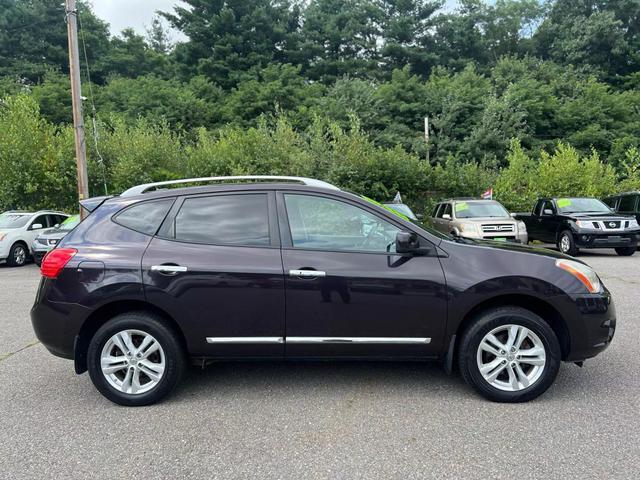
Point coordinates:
[(38, 167)]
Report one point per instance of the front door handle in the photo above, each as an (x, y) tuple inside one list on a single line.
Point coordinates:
[(168, 269), (307, 273)]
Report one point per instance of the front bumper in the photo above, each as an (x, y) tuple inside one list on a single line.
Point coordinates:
[(596, 318), (594, 239), (505, 237)]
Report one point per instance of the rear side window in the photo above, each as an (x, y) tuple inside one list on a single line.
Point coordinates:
[(627, 203), (224, 220), (145, 217)]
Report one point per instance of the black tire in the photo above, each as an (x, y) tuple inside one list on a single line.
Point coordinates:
[(568, 248), (625, 251), (486, 322), (174, 357), (18, 255)]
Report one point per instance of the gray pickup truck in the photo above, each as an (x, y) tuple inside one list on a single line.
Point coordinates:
[(575, 223)]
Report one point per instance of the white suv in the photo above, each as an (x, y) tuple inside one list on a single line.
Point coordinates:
[(18, 230)]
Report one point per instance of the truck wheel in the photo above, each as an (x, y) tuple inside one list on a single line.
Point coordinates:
[(135, 359), (17, 255), (566, 243), (625, 251), (509, 354)]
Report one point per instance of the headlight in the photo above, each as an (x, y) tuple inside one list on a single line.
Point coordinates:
[(584, 224), (468, 227), (632, 224), (522, 227), (582, 272)]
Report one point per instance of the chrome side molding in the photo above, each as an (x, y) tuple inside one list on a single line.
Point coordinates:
[(245, 339), (168, 268), (366, 340), (327, 340)]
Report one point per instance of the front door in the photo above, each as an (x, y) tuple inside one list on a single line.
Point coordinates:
[(216, 266), (348, 294)]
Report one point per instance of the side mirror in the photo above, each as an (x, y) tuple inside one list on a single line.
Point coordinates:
[(513, 215), (446, 216), (408, 243), (56, 225), (547, 211), (36, 226)]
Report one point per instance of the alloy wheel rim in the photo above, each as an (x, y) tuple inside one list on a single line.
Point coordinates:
[(565, 245), (133, 362), (511, 358), (19, 255)]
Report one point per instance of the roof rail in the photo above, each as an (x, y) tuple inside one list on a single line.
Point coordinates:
[(139, 189)]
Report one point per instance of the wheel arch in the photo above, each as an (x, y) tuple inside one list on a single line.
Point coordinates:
[(106, 312), (540, 307)]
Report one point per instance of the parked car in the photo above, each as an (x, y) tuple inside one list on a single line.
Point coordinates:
[(575, 223), (294, 268), (18, 230), (626, 203), (479, 219), (48, 239)]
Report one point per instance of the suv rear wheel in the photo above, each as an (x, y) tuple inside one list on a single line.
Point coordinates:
[(625, 251), (17, 255), (509, 354), (134, 359)]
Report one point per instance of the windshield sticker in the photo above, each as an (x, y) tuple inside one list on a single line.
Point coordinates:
[(563, 202), (462, 206)]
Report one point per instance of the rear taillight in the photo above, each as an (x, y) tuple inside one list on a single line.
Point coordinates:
[(55, 260)]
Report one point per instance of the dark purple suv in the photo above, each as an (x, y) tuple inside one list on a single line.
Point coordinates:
[(291, 268)]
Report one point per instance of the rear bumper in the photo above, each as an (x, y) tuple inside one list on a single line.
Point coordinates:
[(597, 318), (56, 324)]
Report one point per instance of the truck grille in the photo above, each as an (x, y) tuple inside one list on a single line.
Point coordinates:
[(497, 228), (42, 241), (611, 224)]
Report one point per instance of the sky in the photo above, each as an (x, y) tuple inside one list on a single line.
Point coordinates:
[(137, 14)]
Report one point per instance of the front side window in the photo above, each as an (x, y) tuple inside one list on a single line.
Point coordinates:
[(40, 220), (320, 223), (224, 220), (145, 217)]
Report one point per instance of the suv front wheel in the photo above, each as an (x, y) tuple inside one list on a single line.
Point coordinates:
[(135, 359), (509, 354)]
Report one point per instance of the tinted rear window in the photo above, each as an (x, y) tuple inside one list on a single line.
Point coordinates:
[(627, 203), (145, 217), (224, 220)]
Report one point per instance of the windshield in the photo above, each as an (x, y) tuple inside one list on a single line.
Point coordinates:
[(13, 220), (576, 205), (480, 209), (70, 223)]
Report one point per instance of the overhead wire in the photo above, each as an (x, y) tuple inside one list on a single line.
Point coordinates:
[(94, 121)]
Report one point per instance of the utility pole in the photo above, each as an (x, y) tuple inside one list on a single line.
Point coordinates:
[(76, 100), (426, 135)]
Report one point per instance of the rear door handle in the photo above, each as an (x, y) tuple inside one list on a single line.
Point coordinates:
[(168, 269), (307, 273)]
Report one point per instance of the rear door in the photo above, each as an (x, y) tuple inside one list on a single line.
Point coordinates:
[(215, 266), (348, 294)]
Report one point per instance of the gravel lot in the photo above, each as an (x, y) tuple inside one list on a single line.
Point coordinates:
[(320, 420)]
